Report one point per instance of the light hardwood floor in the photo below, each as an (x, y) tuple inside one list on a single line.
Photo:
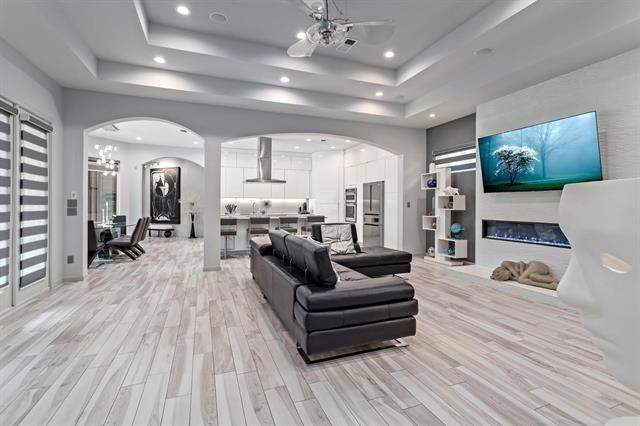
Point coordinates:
[(157, 341)]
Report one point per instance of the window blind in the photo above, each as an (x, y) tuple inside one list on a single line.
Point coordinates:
[(34, 199), (6, 116), (459, 159)]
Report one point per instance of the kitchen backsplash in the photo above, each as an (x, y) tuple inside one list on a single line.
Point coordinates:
[(245, 205)]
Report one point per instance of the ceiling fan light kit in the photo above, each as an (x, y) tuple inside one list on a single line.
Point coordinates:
[(333, 32)]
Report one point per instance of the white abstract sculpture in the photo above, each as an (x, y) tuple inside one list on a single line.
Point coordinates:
[(602, 281), (449, 190)]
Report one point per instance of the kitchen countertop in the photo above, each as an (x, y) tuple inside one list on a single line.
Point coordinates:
[(270, 216)]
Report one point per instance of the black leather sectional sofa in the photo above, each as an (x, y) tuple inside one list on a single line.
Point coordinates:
[(326, 305)]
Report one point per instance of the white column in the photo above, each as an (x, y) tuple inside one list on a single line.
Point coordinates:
[(211, 205)]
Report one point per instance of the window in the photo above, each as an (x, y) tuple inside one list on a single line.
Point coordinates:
[(459, 159), (7, 113), (34, 199), (103, 191)]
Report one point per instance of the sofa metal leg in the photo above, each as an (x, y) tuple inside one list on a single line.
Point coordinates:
[(397, 343)]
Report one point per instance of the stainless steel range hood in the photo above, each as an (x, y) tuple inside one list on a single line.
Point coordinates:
[(264, 162)]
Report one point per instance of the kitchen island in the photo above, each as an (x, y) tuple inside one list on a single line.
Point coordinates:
[(241, 240)]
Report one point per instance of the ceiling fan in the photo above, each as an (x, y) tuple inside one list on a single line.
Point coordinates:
[(333, 32)]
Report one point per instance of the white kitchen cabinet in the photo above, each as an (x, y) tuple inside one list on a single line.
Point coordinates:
[(232, 182), (298, 184), (374, 171), (228, 159), (360, 170), (350, 178), (246, 159), (277, 189), (300, 163), (280, 161), (255, 189)]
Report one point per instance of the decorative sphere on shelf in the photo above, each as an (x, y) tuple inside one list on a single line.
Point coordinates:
[(431, 252), (451, 251), (456, 230), (432, 183)]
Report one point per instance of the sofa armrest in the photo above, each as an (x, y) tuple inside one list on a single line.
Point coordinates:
[(283, 294)]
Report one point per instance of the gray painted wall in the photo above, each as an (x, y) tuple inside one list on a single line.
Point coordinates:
[(454, 133), (612, 89)]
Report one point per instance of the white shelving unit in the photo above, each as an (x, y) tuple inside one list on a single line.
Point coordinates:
[(448, 251)]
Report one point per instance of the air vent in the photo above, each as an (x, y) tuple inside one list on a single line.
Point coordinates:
[(346, 45), (111, 128)]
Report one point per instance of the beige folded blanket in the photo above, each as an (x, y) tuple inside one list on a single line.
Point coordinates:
[(533, 273)]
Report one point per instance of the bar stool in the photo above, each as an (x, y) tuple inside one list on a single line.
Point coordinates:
[(261, 229), (306, 229), (289, 224), (228, 229)]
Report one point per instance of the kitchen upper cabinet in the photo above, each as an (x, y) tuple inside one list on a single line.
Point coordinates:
[(228, 159), (246, 159), (300, 163), (298, 184), (255, 189), (277, 189), (232, 182), (350, 178), (280, 161), (374, 171)]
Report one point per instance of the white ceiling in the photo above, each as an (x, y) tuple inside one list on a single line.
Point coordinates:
[(297, 142), (151, 132), (109, 45)]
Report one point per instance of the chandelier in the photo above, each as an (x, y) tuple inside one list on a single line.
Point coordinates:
[(104, 152)]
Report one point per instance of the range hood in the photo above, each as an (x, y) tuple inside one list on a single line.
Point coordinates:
[(264, 162)]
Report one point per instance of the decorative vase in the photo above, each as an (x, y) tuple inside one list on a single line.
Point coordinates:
[(193, 228), (431, 252), (434, 224), (450, 205), (432, 182), (451, 250)]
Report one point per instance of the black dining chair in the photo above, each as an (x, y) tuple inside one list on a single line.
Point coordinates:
[(228, 229), (306, 229), (93, 247), (143, 234), (126, 243), (120, 220)]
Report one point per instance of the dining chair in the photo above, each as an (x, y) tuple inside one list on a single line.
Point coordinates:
[(228, 229)]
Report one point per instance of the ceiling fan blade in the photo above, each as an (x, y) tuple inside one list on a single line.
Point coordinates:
[(368, 23), (309, 6), (301, 49)]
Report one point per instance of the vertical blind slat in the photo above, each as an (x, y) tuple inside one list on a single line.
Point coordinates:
[(5, 184)]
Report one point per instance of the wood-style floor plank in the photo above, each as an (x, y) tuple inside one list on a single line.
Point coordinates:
[(158, 341)]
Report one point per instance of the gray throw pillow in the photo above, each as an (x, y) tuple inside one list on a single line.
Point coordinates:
[(339, 237)]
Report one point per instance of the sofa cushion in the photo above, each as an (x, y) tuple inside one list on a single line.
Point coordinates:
[(279, 247), (346, 274), (339, 238), (347, 294), (326, 320), (373, 256), (311, 257), (262, 245)]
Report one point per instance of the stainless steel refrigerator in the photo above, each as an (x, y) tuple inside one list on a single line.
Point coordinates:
[(373, 211)]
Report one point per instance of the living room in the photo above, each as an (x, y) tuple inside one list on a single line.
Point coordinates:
[(366, 213)]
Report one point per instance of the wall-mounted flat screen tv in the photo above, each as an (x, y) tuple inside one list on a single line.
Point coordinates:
[(543, 157)]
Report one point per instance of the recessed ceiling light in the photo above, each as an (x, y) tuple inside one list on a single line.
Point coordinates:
[(138, 138), (347, 140), (284, 79), (160, 60), (301, 35), (333, 147), (218, 18), (379, 93), (230, 143), (362, 149), (196, 143), (308, 139), (297, 147), (483, 51), (183, 10), (389, 54), (432, 115)]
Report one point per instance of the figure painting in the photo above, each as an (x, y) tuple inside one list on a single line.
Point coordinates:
[(165, 195)]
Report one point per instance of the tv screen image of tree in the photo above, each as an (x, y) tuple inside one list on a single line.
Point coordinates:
[(165, 195), (543, 157)]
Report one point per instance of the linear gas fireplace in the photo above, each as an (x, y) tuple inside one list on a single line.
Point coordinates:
[(547, 234)]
